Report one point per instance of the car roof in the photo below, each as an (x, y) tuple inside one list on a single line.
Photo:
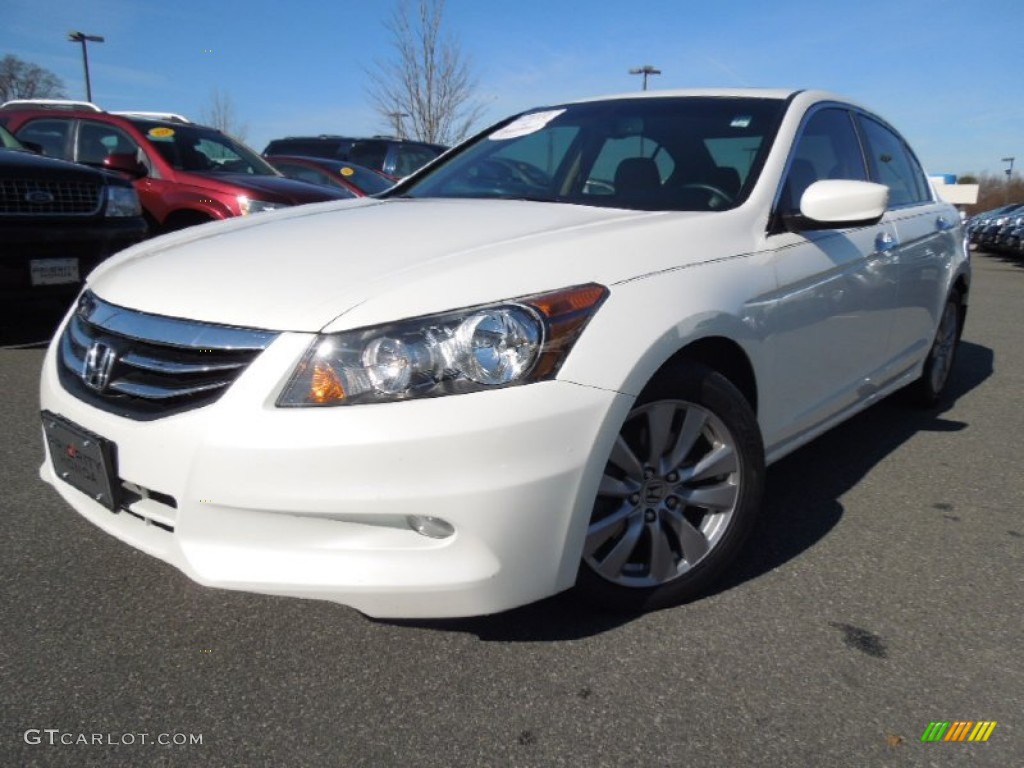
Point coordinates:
[(762, 93), (803, 95), (87, 109), (339, 137)]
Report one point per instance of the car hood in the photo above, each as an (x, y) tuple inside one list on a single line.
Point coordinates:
[(274, 188), (342, 265), (18, 161)]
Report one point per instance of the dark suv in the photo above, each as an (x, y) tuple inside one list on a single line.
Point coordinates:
[(394, 157), (58, 220), (184, 173)]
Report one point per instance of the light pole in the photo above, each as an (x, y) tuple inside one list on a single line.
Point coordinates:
[(397, 116), (1009, 172), (645, 70), (80, 37)]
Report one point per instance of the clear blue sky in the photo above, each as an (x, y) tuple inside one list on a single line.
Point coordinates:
[(949, 74)]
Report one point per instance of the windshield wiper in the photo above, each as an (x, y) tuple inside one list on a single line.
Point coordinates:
[(527, 198)]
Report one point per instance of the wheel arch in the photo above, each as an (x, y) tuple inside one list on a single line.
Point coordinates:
[(185, 217), (724, 356), (717, 352), (962, 285)]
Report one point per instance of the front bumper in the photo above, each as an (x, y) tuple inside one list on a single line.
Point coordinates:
[(313, 502), (89, 242)]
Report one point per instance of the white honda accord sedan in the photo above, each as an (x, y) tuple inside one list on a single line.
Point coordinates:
[(560, 356)]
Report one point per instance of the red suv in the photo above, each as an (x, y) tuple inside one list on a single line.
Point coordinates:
[(184, 173)]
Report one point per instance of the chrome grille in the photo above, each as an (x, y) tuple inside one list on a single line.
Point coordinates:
[(43, 197), (145, 366)]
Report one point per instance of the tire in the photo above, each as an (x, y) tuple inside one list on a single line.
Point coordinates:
[(928, 390), (679, 496)]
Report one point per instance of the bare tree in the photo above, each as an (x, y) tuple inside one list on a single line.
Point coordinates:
[(220, 114), (22, 80), (996, 189), (428, 84)]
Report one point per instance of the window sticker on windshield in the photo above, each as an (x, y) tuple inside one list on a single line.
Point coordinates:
[(525, 125), (741, 122), (346, 171), (161, 132)]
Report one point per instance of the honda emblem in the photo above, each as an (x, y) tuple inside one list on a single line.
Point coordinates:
[(99, 362)]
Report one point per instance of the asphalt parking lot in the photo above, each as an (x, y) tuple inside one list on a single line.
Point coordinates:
[(881, 592)]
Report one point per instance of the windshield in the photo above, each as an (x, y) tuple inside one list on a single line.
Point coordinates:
[(660, 153), (202, 150), (370, 182)]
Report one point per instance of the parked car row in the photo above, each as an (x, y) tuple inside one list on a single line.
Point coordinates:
[(58, 220), (341, 174), (396, 158), (182, 173), (1001, 229)]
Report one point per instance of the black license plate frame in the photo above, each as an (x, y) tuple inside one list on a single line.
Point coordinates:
[(83, 459)]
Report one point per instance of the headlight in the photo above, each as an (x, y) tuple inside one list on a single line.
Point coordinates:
[(248, 205), (469, 350), (122, 201)]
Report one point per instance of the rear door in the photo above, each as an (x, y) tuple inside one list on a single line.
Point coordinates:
[(928, 233)]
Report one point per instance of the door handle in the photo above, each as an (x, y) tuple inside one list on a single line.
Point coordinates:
[(884, 242)]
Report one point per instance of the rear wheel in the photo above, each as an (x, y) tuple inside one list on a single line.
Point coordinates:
[(679, 494), (928, 390)]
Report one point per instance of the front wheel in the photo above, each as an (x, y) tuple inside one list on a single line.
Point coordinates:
[(679, 494)]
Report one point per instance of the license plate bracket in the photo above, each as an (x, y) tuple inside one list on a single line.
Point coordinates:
[(54, 271), (82, 459)]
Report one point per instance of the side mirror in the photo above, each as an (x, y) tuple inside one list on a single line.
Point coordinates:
[(126, 163), (838, 204), (32, 146)]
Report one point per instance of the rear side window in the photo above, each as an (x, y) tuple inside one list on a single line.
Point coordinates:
[(51, 135), (410, 157), (329, 148), (372, 154), (892, 164)]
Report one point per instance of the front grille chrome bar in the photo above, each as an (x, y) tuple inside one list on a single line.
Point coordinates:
[(144, 366)]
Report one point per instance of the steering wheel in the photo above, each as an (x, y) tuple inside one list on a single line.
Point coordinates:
[(726, 197), (504, 171), (235, 166)]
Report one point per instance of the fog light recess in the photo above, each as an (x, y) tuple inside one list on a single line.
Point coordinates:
[(431, 527)]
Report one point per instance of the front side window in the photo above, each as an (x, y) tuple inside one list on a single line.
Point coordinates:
[(97, 141), (828, 148), (892, 164), (660, 153)]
